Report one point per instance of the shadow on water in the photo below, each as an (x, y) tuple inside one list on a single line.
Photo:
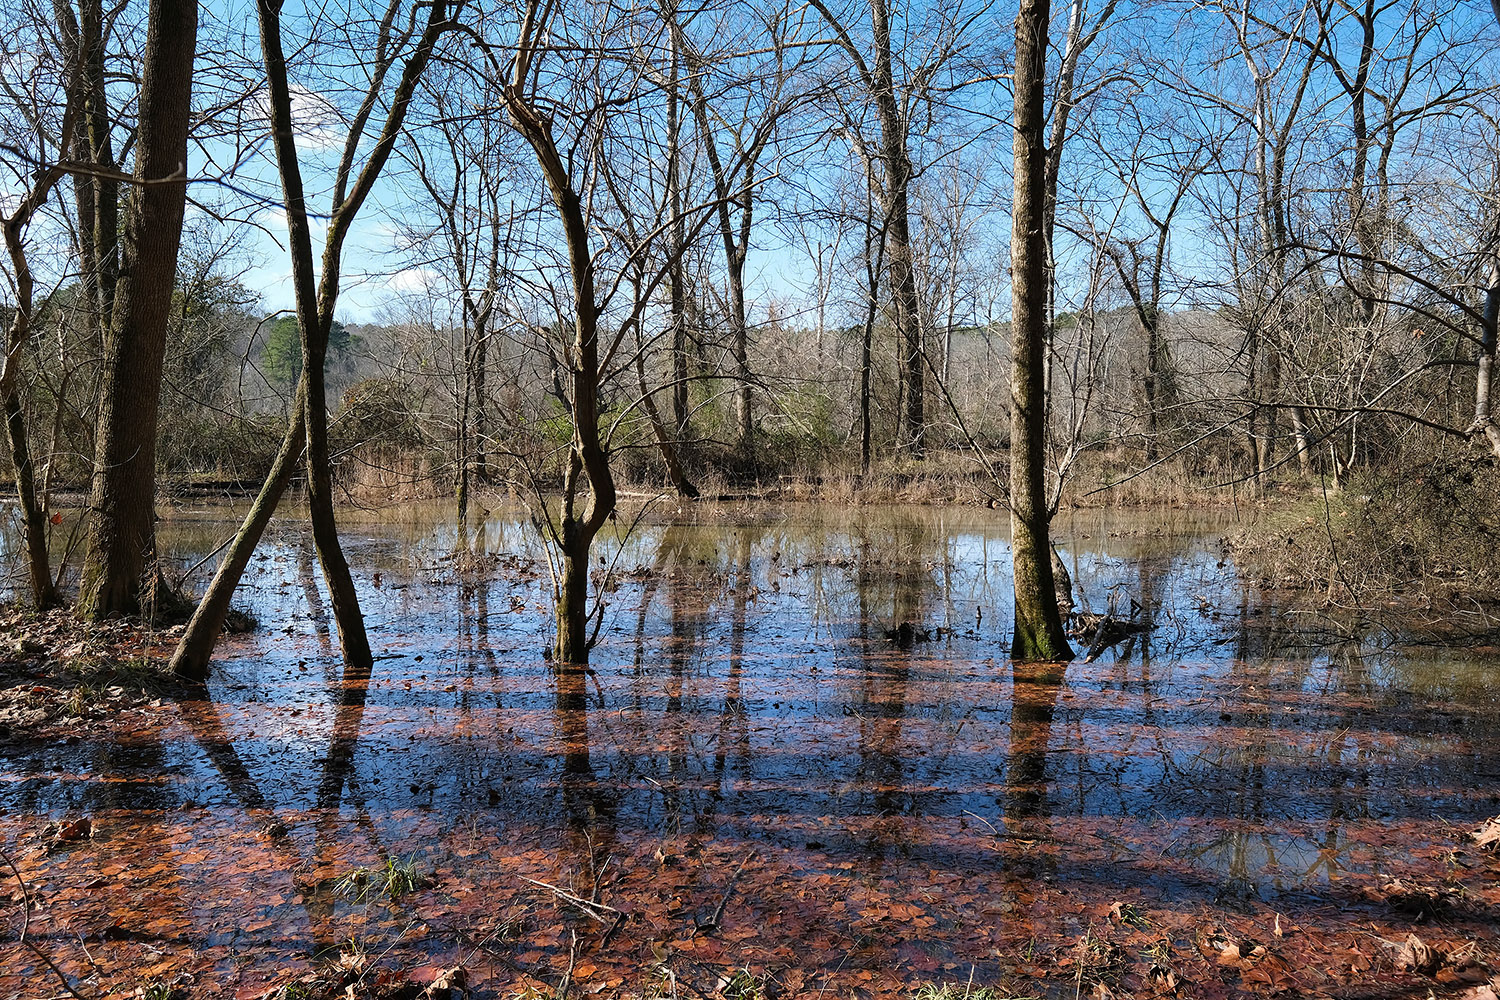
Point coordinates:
[(745, 703)]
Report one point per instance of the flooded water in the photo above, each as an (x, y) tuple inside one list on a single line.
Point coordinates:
[(751, 769)]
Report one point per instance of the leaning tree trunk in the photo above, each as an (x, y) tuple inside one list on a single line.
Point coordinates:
[(314, 320), (314, 313), (122, 529), (676, 474), (1038, 626), (191, 657)]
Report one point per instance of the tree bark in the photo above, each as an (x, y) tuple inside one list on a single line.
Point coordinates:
[(122, 530), (898, 172), (1484, 417), (1038, 631)]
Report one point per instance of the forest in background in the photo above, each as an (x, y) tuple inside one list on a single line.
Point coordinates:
[(1039, 253)]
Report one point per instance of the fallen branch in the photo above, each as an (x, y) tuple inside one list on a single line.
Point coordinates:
[(26, 927), (712, 924), (587, 906)]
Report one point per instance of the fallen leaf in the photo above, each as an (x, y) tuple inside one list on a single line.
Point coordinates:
[(76, 829), (1488, 834), (1415, 956)]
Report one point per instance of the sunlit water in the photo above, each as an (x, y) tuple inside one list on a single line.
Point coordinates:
[(745, 704)]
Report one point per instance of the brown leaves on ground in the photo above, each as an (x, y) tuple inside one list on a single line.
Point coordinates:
[(1484, 991), (1488, 834), (1419, 900), (1257, 964), (353, 976)]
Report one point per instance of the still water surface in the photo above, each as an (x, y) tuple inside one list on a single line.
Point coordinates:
[(745, 704)]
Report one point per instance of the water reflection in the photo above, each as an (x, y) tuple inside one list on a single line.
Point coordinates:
[(744, 693)]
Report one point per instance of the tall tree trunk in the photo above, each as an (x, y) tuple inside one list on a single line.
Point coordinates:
[(1038, 626), (744, 414), (314, 313), (96, 196), (1484, 417), (898, 172), (677, 278), (14, 226), (314, 320), (1151, 320), (461, 433), (587, 456), (33, 513), (479, 406), (122, 529), (675, 472), (1302, 442)]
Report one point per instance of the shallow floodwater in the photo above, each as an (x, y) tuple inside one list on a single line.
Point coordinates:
[(749, 739)]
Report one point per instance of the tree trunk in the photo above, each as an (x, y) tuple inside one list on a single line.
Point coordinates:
[(587, 455), (744, 415), (96, 197), (898, 171), (675, 472), (1038, 626), (191, 657), (122, 530), (33, 514), (572, 645), (314, 320), (314, 313), (479, 405), (1484, 417), (1303, 445), (1151, 320)]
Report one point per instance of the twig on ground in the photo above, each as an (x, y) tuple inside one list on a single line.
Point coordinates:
[(712, 924), (31, 945), (587, 906)]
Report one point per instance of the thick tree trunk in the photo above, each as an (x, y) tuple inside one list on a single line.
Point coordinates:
[(572, 645), (1038, 626), (122, 530), (196, 647)]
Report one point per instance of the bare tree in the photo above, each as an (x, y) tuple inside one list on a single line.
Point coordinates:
[(1038, 631), (51, 130), (406, 50), (120, 574)]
